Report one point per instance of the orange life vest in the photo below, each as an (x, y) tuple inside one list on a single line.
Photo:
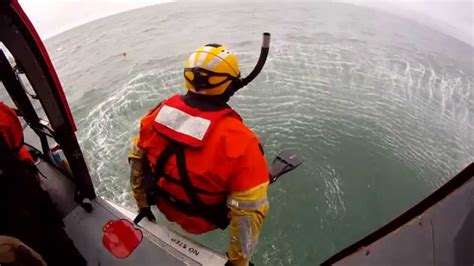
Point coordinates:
[(212, 143)]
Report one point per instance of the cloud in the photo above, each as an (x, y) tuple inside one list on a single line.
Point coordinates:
[(51, 17)]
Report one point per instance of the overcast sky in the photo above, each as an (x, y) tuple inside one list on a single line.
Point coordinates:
[(50, 17)]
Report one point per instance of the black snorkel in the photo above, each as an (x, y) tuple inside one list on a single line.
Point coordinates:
[(261, 62)]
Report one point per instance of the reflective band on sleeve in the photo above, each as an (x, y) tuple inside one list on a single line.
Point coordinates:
[(247, 204), (182, 122), (245, 234)]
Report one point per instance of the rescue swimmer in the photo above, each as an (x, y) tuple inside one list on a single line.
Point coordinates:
[(196, 159)]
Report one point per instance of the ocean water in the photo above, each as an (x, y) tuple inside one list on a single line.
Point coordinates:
[(381, 108)]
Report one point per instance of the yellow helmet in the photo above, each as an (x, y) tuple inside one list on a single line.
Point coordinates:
[(210, 70)]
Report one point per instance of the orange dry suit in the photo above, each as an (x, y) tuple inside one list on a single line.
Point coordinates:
[(209, 171)]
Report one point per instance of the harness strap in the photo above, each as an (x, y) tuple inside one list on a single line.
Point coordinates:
[(215, 214), (171, 179), (163, 159), (183, 173)]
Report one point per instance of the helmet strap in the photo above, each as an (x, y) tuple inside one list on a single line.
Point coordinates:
[(201, 82)]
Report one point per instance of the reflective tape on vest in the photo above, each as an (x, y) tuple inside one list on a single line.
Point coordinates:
[(182, 122)]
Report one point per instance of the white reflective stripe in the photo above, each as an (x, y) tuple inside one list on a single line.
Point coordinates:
[(247, 204), (182, 122), (192, 59), (203, 55), (245, 235), (216, 60)]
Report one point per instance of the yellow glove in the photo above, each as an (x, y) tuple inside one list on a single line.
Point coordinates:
[(136, 158)]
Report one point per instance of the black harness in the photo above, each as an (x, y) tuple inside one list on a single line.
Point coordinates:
[(216, 214)]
